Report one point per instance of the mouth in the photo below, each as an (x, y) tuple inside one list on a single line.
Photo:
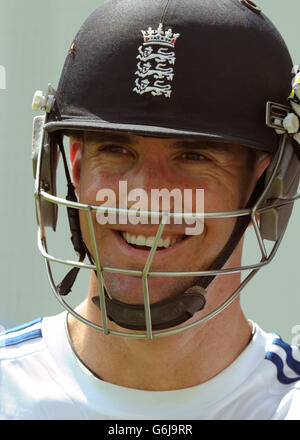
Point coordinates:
[(136, 246), (143, 242)]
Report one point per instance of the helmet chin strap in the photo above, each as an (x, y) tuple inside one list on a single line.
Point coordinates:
[(164, 314)]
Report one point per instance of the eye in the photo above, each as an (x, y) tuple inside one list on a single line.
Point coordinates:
[(117, 152), (114, 149), (193, 156)]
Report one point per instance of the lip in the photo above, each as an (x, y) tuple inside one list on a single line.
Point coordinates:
[(142, 254)]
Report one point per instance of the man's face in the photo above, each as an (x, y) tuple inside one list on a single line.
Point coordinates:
[(146, 163)]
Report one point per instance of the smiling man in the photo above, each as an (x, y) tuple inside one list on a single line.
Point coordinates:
[(171, 101)]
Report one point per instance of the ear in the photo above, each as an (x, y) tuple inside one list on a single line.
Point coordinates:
[(76, 151), (262, 163)]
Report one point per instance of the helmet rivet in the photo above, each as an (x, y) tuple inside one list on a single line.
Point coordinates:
[(72, 49), (251, 6)]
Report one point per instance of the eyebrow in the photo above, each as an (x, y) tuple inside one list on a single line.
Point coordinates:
[(220, 147), (187, 144)]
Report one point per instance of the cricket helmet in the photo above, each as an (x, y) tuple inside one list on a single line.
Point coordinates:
[(216, 70)]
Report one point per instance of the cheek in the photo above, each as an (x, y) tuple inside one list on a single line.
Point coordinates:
[(92, 180), (220, 195), (218, 231)]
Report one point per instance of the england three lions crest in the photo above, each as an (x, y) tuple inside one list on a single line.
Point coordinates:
[(155, 68)]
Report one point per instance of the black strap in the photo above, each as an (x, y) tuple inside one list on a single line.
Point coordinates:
[(67, 283), (164, 314), (241, 225)]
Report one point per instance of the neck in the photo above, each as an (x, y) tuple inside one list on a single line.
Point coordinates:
[(179, 361)]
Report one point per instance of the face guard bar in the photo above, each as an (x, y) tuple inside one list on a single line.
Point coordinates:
[(273, 206)]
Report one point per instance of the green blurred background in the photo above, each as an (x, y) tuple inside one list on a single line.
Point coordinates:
[(35, 36)]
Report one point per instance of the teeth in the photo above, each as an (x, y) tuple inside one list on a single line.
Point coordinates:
[(167, 242), (150, 241), (141, 240)]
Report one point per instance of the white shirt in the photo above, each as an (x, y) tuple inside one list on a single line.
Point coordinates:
[(42, 378)]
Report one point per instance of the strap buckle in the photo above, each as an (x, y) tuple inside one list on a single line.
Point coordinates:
[(275, 115)]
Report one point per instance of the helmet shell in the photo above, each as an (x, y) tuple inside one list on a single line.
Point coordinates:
[(229, 61)]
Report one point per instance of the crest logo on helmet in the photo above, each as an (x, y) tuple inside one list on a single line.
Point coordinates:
[(156, 60)]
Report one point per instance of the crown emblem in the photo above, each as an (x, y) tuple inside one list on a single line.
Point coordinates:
[(152, 36), (155, 68)]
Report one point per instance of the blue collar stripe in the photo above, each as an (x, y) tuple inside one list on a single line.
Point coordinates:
[(21, 338), (21, 327), (277, 361), (290, 360)]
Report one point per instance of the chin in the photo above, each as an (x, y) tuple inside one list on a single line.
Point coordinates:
[(129, 289)]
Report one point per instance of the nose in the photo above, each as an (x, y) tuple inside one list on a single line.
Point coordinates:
[(149, 189), (148, 174), (146, 187)]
